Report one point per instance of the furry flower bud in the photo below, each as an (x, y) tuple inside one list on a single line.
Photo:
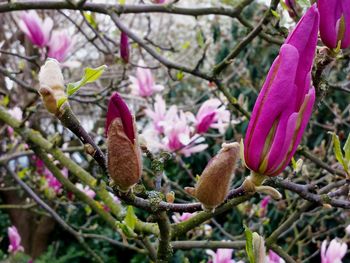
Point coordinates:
[(124, 156), (51, 85), (214, 183)]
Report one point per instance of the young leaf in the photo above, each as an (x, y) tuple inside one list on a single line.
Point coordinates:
[(90, 18), (347, 149), (249, 244), (179, 75), (275, 14), (337, 151), (130, 218), (90, 75)]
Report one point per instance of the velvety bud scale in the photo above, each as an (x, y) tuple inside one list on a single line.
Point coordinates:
[(123, 152), (214, 183)]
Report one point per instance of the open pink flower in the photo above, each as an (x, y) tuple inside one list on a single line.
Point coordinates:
[(86, 190), (143, 85), (158, 114), (15, 240), (211, 115), (274, 258), (183, 217), (178, 136), (222, 255), (60, 45), (284, 105), (334, 253), (37, 30)]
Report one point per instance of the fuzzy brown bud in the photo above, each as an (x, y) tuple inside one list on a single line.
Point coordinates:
[(124, 157), (214, 183)]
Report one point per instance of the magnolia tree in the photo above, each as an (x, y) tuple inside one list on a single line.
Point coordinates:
[(174, 131)]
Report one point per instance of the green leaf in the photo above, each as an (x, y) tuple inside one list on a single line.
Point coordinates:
[(91, 75), (186, 45), (130, 218), (179, 75), (61, 101), (126, 230), (200, 38), (294, 164), (283, 4), (122, 2), (275, 14), (337, 151), (346, 149), (90, 18), (5, 101), (249, 244)]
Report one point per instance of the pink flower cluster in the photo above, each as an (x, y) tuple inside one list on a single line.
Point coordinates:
[(15, 240), (177, 131), (50, 180), (40, 33)]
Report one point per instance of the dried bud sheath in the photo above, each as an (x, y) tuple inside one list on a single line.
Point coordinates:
[(214, 183)]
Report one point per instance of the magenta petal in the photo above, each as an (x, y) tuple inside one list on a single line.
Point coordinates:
[(304, 38), (294, 133), (117, 108), (275, 96), (205, 123), (329, 11), (346, 12)]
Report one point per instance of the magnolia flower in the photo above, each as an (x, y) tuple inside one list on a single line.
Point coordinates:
[(60, 45), (347, 230), (158, 114), (284, 105), (86, 190), (37, 30), (124, 47), (334, 253), (15, 240), (274, 258), (158, 1), (178, 135), (263, 205), (211, 115), (183, 217), (124, 154), (143, 85), (222, 255), (335, 22)]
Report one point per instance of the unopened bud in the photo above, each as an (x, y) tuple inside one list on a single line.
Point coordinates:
[(124, 154), (214, 183), (259, 248), (170, 197), (51, 85)]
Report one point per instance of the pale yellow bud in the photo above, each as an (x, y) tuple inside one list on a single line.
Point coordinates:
[(52, 88)]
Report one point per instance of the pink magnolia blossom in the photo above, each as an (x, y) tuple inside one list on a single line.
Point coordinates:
[(178, 136), (158, 1), (211, 115), (60, 45), (222, 255), (274, 258), (51, 180), (86, 190), (263, 205), (15, 240), (158, 114), (36, 29), (143, 85), (284, 105), (334, 253), (183, 217)]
